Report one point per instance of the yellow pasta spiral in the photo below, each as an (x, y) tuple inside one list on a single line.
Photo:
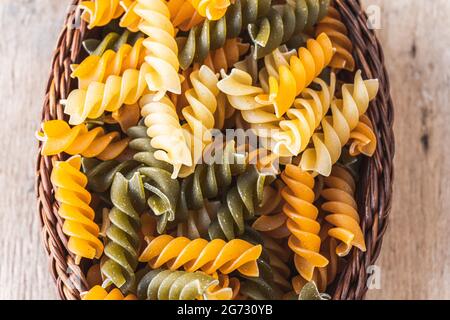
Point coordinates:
[(99, 97), (73, 198), (183, 15), (336, 30), (343, 211), (100, 12), (336, 129), (199, 254), (98, 68), (302, 214), (204, 99), (168, 137), (57, 137), (99, 293), (211, 9), (162, 49), (287, 79)]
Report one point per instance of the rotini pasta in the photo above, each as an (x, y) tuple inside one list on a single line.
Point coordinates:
[(363, 139), (199, 254), (333, 26), (99, 97), (57, 137), (105, 62), (99, 293), (121, 250), (101, 174), (211, 9), (239, 205), (224, 58), (128, 116), (285, 21), (168, 136), (337, 128), (161, 46), (287, 79), (343, 211), (180, 285), (212, 35), (183, 15), (100, 12), (304, 241), (165, 200), (74, 199)]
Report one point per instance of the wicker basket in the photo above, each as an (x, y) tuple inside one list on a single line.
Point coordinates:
[(375, 185)]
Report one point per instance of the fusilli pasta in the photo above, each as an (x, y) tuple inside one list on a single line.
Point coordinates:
[(57, 136), (336, 129), (199, 254), (99, 293), (74, 199)]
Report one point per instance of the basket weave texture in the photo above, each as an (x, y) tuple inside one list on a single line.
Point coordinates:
[(375, 185)]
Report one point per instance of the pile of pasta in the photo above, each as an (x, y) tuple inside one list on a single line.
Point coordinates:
[(145, 216)]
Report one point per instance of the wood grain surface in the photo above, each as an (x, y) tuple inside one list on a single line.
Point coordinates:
[(415, 260)]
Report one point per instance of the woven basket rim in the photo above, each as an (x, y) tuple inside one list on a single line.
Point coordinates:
[(374, 198)]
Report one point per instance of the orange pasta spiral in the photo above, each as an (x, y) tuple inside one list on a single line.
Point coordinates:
[(287, 79), (224, 58), (73, 198), (98, 68), (100, 12), (302, 214), (57, 137), (199, 254), (343, 211), (99, 293), (336, 30), (363, 139)]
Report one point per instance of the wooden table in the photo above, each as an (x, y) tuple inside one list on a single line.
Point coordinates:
[(415, 261)]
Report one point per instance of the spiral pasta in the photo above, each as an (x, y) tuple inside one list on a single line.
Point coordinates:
[(162, 56), (182, 14), (208, 180), (168, 136), (304, 241), (164, 200), (99, 293), (121, 250), (104, 62), (126, 117), (101, 174), (343, 211), (74, 199), (290, 135), (337, 128), (199, 254), (100, 12), (180, 285), (363, 139), (224, 58), (333, 26), (57, 137), (287, 79), (212, 35), (99, 97), (211, 9), (239, 205), (284, 22)]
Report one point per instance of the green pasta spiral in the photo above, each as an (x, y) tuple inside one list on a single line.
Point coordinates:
[(101, 173), (239, 204), (286, 23), (209, 180), (262, 287), (211, 35), (173, 285), (164, 199), (111, 41), (121, 250)]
